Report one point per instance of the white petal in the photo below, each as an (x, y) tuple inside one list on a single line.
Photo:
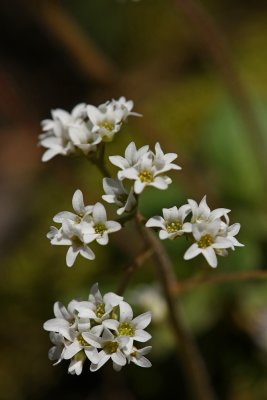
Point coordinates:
[(142, 362), (156, 221), (161, 182), (111, 324), (77, 202), (141, 336), (234, 229), (71, 256), (93, 340), (92, 354), (56, 325), (61, 216), (126, 312), (113, 226), (164, 235), (71, 350), (84, 310), (192, 252), (60, 311), (139, 186), (210, 256), (118, 161), (103, 240), (76, 366), (94, 114), (142, 321), (86, 252), (112, 299), (103, 358), (118, 358), (99, 213), (130, 151)]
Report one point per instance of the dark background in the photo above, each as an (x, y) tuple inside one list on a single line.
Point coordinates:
[(199, 78)]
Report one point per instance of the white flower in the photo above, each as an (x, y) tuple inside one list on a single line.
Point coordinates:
[(76, 364), (56, 352), (145, 174), (71, 235), (230, 232), (65, 321), (130, 327), (79, 332), (111, 346), (100, 227), (202, 213), (98, 307), (172, 223), (79, 344), (208, 242), (83, 137), (126, 106), (145, 167), (137, 356), (56, 138), (106, 120), (73, 229), (163, 162), (80, 209), (132, 157), (117, 194)]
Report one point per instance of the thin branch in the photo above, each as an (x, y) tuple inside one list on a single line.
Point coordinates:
[(100, 165), (194, 366), (189, 284), (132, 267)]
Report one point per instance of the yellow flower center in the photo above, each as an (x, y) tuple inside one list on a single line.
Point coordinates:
[(82, 341), (111, 347), (174, 226), (100, 228), (205, 241), (100, 310), (145, 176), (125, 329), (109, 126)]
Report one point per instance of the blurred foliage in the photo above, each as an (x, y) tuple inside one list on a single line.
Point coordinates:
[(188, 110)]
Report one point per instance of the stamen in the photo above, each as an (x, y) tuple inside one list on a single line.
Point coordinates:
[(100, 310), (111, 347), (82, 341), (145, 176), (109, 126), (100, 228), (205, 241), (174, 226), (125, 329)]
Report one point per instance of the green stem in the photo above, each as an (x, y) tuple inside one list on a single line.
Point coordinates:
[(99, 161)]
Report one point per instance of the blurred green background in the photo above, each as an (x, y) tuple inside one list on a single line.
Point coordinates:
[(60, 53)]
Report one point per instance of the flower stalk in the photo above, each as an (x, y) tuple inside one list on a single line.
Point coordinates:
[(194, 366)]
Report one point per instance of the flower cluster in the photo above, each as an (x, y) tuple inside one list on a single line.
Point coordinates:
[(210, 230), (83, 128), (78, 229), (104, 327), (145, 167), (99, 329)]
